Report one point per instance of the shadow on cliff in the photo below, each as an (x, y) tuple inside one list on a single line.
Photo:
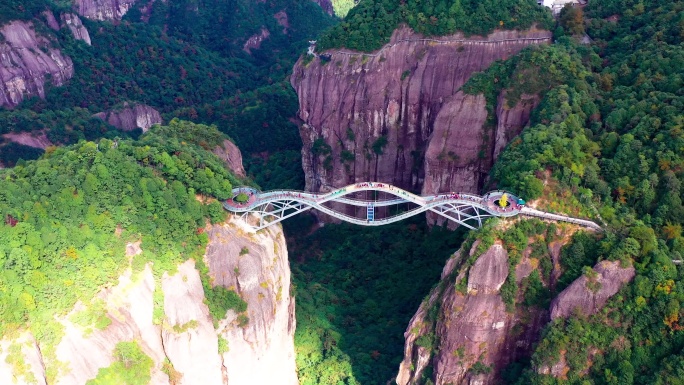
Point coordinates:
[(356, 290)]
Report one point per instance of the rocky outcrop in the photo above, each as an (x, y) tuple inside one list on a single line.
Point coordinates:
[(27, 61), (31, 139), (231, 154), (254, 42), (51, 20), (588, 294), (397, 115), (262, 352), (326, 5), (103, 9), (130, 117), (76, 27), (464, 331), (183, 341)]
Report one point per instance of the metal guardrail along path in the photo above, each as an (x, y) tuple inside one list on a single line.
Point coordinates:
[(468, 210)]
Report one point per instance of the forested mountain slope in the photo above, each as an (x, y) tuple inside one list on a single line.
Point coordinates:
[(184, 59), (117, 267), (607, 143)]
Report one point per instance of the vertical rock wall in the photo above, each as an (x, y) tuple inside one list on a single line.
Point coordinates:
[(260, 350), (27, 62), (397, 115), (103, 9)]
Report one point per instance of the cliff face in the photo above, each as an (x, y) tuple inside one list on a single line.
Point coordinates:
[(467, 333), (454, 331), (76, 27), (187, 339), (27, 62), (231, 154), (397, 115), (587, 295), (131, 117), (104, 9), (257, 267)]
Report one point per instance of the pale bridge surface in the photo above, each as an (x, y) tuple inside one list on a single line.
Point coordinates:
[(468, 210)]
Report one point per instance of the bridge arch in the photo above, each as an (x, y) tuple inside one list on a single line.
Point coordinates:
[(469, 210)]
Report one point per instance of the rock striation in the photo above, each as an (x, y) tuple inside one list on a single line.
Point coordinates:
[(257, 267), (76, 27), (103, 9), (27, 62), (462, 328), (398, 115), (185, 344), (130, 117), (587, 295)]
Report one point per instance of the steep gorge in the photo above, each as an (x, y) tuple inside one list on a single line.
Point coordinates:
[(398, 115)]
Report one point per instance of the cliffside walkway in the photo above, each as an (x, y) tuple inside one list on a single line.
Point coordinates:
[(458, 41), (468, 210)]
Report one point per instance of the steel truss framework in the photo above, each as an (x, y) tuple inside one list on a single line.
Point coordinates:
[(263, 209)]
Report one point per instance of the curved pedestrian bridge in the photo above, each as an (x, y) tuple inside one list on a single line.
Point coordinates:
[(376, 204)]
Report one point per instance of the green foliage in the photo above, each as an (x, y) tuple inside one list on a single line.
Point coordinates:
[(192, 324), (379, 145), (218, 298), (222, 345), (342, 7), (356, 295), (24, 10), (613, 138), (241, 198), (131, 367), (77, 207), (95, 314), (370, 24), (480, 368)]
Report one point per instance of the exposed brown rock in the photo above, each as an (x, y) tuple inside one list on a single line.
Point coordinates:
[(511, 120), (31, 139), (470, 327), (231, 154), (76, 27), (254, 42), (103, 9), (408, 93), (489, 272), (588, 295), (51, 20), (281, 17), (257, 267), (130, 117), (26, 61)]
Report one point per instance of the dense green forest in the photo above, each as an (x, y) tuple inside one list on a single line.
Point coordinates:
[(613, 138), (185, 59), (67, 217), (606, 141), (356, 295), (369, 25)]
